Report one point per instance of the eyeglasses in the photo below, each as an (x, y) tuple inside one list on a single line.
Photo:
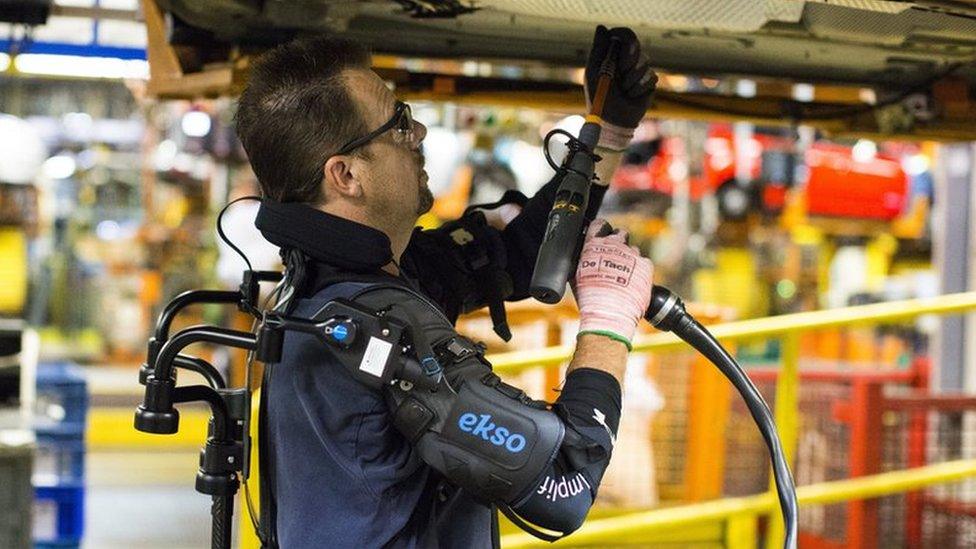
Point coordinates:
[(401, 123)]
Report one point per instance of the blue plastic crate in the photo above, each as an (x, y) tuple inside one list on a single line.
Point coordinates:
[(60, 459), (59, 515), (62, 398)]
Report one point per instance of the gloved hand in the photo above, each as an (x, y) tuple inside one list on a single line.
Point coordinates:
[(629, 94), (613, 284)]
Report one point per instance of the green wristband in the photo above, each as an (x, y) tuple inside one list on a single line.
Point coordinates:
[(612, 335)]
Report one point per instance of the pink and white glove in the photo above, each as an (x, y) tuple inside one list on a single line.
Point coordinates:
[(613, 284)]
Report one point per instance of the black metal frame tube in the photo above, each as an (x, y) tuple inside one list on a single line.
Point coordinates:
[(222, 431), (195, 334), (222, 521), (202, 367), (187, 298)]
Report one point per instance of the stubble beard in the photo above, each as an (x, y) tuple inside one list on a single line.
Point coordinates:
[(425, 199)]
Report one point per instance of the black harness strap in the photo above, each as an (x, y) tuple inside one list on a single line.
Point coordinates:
[(493, 282), (491, 277), (510, 197)]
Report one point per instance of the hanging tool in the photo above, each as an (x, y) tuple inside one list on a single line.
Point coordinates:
[(566, 224)]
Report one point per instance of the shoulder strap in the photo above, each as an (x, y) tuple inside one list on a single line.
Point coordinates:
[(268, 526)]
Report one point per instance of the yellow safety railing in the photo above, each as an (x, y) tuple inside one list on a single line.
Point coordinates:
[(737, 517)]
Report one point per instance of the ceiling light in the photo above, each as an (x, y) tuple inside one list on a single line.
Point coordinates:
[(745, 88), (803, 92), (61, 166), (195, 124), (916, 164), (81, 67), (864, 150), (165, 155)]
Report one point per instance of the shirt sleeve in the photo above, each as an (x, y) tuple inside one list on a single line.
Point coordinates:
[(434, 260), (434, 264), (590, 407)]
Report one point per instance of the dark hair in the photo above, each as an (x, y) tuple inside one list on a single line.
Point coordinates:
[(295, 111)]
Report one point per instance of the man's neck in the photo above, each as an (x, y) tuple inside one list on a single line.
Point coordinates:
[(399, 236), (398, 244)]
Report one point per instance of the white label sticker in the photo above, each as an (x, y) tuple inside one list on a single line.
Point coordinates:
[(374, 359)]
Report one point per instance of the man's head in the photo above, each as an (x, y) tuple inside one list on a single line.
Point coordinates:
[(305, 102)]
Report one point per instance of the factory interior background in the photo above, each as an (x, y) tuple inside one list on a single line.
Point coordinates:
[(841, 262)]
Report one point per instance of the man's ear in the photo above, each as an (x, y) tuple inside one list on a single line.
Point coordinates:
[(340, 177)]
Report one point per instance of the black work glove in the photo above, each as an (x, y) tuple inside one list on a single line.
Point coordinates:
[(629, 94)]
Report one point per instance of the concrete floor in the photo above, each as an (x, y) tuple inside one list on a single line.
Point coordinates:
[(144, 500), (141, 498)]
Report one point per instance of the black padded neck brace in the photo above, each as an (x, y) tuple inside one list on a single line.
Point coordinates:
[(324, 237)]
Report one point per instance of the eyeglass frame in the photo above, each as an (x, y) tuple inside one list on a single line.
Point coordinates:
[(401, 110)]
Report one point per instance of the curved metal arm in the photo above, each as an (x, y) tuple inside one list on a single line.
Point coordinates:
[(202, 367), (245, 297), (192, 363), (218, 408), (194, 334), (190, 297)]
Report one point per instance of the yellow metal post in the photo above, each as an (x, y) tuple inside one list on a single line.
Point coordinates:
[(110, 428), (248, 539), (787, 414), (708, 414), (741, 532)]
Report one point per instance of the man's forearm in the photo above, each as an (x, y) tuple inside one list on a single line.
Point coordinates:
[(600, 353)]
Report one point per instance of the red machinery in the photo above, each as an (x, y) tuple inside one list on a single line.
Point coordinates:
[(837, 185)]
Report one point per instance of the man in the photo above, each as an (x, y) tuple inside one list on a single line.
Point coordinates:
[(340, 164)]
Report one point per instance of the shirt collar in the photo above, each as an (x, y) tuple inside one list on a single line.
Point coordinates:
[(327, 238)]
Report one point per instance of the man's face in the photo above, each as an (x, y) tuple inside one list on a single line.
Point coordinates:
[(393, 177)]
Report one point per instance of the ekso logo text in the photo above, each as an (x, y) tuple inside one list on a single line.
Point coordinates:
[(480, 425)]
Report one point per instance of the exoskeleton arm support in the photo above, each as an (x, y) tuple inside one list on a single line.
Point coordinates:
[(246, 298)]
